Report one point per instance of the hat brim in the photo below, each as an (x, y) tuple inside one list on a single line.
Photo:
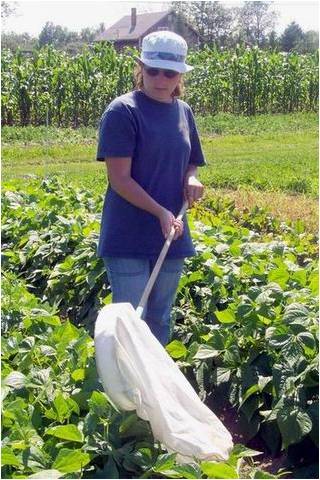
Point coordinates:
[(166, 64)]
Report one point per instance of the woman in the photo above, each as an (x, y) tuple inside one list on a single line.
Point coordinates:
[(151, 147)]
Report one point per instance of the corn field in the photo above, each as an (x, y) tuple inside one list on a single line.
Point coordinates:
[(50, 86)]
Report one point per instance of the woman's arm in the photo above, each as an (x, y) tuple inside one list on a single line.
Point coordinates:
[(193, 189), (119, 174)]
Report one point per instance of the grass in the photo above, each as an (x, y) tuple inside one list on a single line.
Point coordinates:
[(268, 160), (281, 205), (42, 135), (228, 124), (280, 162), (221, 124), (283, 162)]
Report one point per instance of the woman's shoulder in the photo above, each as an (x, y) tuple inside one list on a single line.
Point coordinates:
[(184, 105), (187, 109), (123, 102)]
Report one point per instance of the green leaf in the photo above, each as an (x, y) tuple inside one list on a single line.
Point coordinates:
[(9, 458), (294, 312), (270, 433), (217, 340), (241, 451), (185, 280), (35, 457), (107, 300), (205, 351), (250, 407), (188, 471), (277, 341), (300, 276), (64, 334), (232, 357), (129, 420), (313, 412), (17, 409), (110, 469), (69, 461), (250, 391), (176, 349), (47, 474), (235, 249), (292, 353), (141, 457), (262, 474), (66, 432), (307, 339), (294, 423), (50, 320), (314, 283), (250, 428), (281, 373), (100, 403), (221, 375), (218, 470), (220, 248), (216, 269), (279, 275), (15, 380), (263, 381), (225, 316), (63, 408), (171, 473), (78, 374), (164, 462)]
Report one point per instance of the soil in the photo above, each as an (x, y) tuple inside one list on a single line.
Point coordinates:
[(266, 461)]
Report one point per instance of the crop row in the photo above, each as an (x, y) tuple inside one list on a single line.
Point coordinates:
[(245, 324), (57, 421), (52, 87)]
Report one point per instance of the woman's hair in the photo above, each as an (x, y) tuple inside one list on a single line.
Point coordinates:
[(138, 79)]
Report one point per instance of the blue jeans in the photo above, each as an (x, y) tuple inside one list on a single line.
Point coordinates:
[(128, 278)]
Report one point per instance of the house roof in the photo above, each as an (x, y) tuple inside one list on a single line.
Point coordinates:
[(122, 29)]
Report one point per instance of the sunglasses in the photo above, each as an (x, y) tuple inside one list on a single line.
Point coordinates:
[(153, 72)]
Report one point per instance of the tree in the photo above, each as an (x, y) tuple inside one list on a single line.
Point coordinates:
[(292, 35), (101, 28), (255, 22), (56, 35), (13, 41), (309, 42), (47, 34), (87, 35), (212, 20), (273, 40), (8, 9)]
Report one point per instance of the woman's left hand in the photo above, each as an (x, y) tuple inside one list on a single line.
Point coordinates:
[(193, 189), (178, 225)]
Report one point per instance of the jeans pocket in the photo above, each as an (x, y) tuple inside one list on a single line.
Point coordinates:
[(125, 266), (173, 265)]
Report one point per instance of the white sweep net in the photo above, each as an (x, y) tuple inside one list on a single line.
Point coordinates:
[(138, 374)]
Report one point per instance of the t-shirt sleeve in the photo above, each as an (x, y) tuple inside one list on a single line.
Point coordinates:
[(196, 155), (117, 135)]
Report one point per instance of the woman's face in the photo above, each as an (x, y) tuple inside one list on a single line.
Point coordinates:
[(159, 83)]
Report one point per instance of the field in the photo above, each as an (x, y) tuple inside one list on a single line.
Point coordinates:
[(269, 160), (245, 319), (71, 91)]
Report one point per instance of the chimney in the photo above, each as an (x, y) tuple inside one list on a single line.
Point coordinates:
[(133, 18)]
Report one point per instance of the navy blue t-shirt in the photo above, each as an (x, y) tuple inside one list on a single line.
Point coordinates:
[(162, 140)]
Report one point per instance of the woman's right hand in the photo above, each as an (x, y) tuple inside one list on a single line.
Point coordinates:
[(167, 220)]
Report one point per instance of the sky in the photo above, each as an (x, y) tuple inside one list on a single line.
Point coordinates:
[(75, 15)]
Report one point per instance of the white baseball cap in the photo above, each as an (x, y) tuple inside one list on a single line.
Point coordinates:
[(165, 49)]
